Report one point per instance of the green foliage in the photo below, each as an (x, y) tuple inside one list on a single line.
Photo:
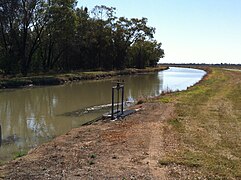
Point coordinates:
[(165, 99), (93, 156), (177, 124), (42, 36), (20, 154), (145, 53)]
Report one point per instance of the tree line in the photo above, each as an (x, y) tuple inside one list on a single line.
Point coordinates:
[(55, 35)]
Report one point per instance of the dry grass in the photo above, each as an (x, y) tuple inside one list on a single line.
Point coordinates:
[(205, 136)]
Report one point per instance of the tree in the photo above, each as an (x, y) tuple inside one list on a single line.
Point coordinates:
[(59, 34), (43, 35), (145, 53), (102, 26), (126, 33), (9, 34), (22, 24), (80, 45)]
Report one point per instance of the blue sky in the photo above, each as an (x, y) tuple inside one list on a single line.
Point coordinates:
[(191, 31)]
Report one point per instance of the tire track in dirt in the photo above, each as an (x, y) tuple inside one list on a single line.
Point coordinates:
[(156, 147)]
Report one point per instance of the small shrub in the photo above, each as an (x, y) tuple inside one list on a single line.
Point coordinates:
[(20, 154), (92, 156)]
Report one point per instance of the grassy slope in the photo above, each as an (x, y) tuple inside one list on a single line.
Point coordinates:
[(205, 135)]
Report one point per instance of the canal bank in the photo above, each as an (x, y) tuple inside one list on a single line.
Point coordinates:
[(176, 136), (58, 79)]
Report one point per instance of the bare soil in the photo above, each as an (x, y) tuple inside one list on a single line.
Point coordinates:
[(122, 149)]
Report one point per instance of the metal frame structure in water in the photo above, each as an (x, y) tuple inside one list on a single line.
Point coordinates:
[(119, 87)]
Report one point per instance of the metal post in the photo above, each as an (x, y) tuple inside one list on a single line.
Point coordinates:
[(122, 99), (112, 106), (0, 135), (118, 89)]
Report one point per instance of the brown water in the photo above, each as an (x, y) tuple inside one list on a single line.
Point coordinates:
[(32, 116)]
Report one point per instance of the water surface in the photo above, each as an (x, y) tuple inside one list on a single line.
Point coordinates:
[(32, 116)]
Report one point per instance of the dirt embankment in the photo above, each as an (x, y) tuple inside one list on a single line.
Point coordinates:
[(57, 79), (123, 149)]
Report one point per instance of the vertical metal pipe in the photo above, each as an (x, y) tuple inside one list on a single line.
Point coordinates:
[(122, 99), (118, 94), (0, 135), (112, 106)]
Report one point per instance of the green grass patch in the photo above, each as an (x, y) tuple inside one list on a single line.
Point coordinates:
[(20, 153), (176, 123), (189, 162), (165, 99), (93, 156), (46, 80), (208, 126)]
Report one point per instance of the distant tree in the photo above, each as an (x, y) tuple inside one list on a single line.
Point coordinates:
[(80, 44), (145, 53), (127, 32), (102, 23)]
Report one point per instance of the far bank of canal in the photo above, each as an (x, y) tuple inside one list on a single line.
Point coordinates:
[(30, 117)]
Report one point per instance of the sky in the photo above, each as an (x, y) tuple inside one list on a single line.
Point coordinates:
[(191, 31)]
